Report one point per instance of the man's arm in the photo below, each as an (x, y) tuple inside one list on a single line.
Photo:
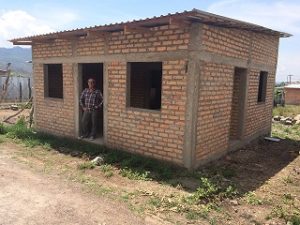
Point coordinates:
[(99, 100), (82, 98)]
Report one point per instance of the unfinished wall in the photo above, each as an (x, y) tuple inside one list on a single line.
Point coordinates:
[(258, 117), (260, 48), (214, 109), (154, 133), (255, 52), (56, 48), (161, 133), (159, 39), (54, 115), (235, 109)]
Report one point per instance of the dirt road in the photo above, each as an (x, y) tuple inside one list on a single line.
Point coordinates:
[(29, 197)]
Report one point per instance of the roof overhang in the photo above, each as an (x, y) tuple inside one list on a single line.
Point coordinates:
[(144, 25)]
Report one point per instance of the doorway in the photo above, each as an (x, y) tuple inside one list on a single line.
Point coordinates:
[(238, 104), (94, 71)]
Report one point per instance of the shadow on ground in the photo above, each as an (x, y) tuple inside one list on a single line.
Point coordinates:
[(247, 169)]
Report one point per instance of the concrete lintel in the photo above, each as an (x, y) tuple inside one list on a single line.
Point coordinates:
[(140, 57), (226, 60)]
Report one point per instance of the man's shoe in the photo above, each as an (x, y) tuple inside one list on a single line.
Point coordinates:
[(92, 138), (82, 137)]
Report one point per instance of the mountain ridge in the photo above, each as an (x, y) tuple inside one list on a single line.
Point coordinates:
[(18, 57)]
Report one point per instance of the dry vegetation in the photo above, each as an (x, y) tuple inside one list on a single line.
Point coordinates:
[(259, 184)]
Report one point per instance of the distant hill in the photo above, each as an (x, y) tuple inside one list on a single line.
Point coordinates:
[(17, 56)]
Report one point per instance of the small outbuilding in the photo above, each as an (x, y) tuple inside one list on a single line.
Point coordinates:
[(185, 87), (292, 94)]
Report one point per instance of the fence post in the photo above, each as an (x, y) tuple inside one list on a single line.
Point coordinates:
[(29, 88), (20, 89)]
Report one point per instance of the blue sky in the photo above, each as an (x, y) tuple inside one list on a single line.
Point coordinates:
[(20, 18)]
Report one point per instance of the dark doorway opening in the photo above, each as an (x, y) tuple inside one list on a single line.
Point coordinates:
[(94, 71), (238, 104)]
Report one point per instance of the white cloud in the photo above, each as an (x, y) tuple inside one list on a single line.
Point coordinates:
[(279, 15), (19, 23)]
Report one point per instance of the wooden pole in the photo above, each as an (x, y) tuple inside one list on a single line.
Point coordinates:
[(29, 88), (6, 83), (20, 91)]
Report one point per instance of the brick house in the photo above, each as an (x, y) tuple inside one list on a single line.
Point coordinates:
[(292, 94), (185, 87)]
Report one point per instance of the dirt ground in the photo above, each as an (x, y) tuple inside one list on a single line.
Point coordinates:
[(4, 113), (37, 188), (42, 185), (29, 197)]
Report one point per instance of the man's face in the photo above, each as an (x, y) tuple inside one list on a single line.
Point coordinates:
[(91, 83)]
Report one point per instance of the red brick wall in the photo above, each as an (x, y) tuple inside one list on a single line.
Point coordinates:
[(160, 134), (237, 44), (258, 115), (227, 42), (292, 96), (52, 114), (155, 133), (235, 112), (264, 50), (215, 102), (93, 46), (160, 39), (214, 109), (57, 48)]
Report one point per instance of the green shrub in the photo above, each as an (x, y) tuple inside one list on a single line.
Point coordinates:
[(2, 128), (252, 199), (135, 174), (86, 165), (207, 190)]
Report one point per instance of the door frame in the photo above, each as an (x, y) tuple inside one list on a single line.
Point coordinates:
[(77, 71)]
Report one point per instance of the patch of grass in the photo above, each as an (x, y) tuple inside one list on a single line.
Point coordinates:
[(2, 139), (290, 217), (107, 170), (135, 174), (86, 166), (2, 128), (295, 219), (207, 189), (132, 166), (287, 111), (228, 172), (287, 197), (253, 199), (196, 214), (213, 221), (211, 189), (288, 180), (155, 202), (286, 132)]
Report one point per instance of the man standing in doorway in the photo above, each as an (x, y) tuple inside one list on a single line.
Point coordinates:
[(91, 101)]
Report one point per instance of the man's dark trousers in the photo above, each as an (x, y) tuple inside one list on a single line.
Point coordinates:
[(89, 116)]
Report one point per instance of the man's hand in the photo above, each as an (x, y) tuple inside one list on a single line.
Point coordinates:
[(84, 108)]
